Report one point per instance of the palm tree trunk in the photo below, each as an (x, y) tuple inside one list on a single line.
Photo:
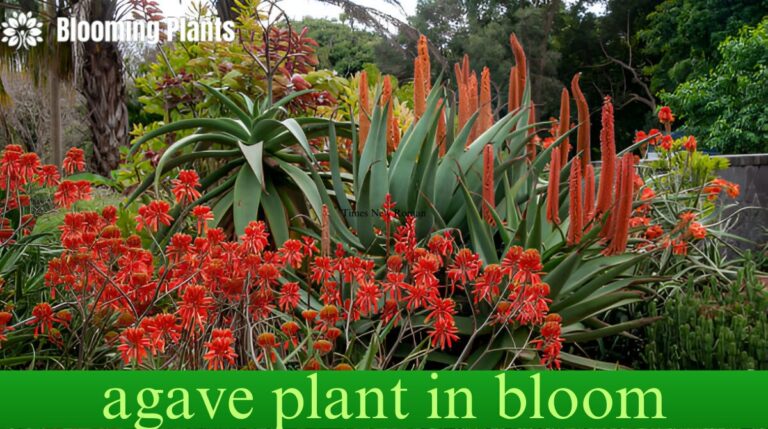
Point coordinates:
[(54, 97), (55, 112), (102, 84), (103, 87)]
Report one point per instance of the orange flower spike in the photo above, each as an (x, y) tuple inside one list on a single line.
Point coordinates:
[(553, 189), (620, 234), (610, 223), (576, 226), (608, 157), (489, 197), (394, 135), (441, 132), (582, 139), (386, 99), (589, 194), (364, 115), (521, 64), (473, 103), (463, 113), (419, 96), (530, 147), (513, 99), (486, 109), (426, 68), (465, 68), (564, 126)]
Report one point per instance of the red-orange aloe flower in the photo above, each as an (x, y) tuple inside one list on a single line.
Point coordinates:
[(521, 64), (582, 139), (553, 189), (473, 101), (364, 114), (441, 130), (426, 68), (575, 229), (421, 77), (619, 228), (485, 120), (589, 194), (513, 100), (419, 96), (608, 157)]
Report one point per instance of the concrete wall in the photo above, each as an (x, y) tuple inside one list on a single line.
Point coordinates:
[(750, 172)]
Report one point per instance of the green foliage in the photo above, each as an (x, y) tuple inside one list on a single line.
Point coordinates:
[(253, 156), (683, 36), (584, 40), (341, 47), (443, 193), (728, 107), (481, 29), (716, 327)]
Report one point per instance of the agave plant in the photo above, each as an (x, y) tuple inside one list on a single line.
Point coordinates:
[(257, 155), (489, 183)]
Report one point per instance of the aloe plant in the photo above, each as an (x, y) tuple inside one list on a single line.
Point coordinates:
[(257, 153)]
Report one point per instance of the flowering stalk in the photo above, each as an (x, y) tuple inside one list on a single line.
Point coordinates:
[(485, 120), (589, 194), (620, 223), (419, 96), (363, 117), (564, 126), (575, 229), (426, 68), (393, 130), (522, 68), (608, 157), (465, 104), (421, 78), (441, 131), (513, 99), (473, 101), (582, 139), (489, 197), (553, 189)]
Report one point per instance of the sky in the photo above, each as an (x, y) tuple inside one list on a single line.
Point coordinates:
[(297, 9)]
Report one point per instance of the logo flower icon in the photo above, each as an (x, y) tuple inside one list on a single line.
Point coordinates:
[(22, 30)]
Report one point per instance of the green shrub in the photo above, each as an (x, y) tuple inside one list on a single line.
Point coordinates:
[(727, 108), (712, 328)]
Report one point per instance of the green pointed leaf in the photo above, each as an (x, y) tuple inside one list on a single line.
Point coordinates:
[(247, 198)]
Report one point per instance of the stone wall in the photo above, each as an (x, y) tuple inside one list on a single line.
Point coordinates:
[(750, 172)]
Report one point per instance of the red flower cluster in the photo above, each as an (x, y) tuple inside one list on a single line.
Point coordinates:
[(714, 188), (550, 344), (5, 319), (196, 291), (19, 171), (74, 161)]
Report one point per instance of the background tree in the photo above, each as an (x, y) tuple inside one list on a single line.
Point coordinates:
[(726, 108), (341, 47), (607, 50), (683, 35), (48, 65)]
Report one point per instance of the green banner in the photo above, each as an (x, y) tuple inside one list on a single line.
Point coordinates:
[(473, 399)]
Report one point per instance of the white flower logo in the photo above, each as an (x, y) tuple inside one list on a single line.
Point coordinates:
[(21, 30)]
